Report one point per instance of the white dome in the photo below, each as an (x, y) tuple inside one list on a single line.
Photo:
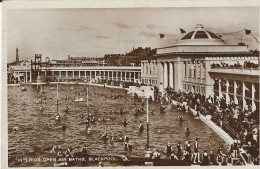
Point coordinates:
[(200, 36)]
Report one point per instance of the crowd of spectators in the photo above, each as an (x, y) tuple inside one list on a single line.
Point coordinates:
[(247, 64), (11, 79), (242, 125), (119, 83)]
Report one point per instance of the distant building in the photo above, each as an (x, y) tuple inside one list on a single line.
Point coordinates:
[(132, 58), (187, 65), (17, 56)]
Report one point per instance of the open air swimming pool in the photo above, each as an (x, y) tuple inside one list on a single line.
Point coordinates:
[(34, 132)]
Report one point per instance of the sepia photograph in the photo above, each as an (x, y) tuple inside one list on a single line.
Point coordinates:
[(130, 86)]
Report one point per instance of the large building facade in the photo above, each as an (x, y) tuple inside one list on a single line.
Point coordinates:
[(188, 64)]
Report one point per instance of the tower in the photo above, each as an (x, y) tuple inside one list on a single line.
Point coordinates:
[(17, 56)]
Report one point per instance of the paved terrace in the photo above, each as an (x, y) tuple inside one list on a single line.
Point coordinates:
[(243, 74)]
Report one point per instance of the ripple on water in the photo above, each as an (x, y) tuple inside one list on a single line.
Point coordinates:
[(23, 112)]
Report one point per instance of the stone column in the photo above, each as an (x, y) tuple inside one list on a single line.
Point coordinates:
[(134, 77), (121, 78), (177, 75), (30, 76), (196, 69), (116, 75), (165, 75), (183, 69), (79, 74), (192, 70), (108, 75), (219, 88), (235, 92), (227, 92), (145, 68), (26, 77), (18, 73), (95, 75), (59, 74), (67, 74), (112, 75), (73, 74), (253, 97), (209, 82), (85, 74), (243, 95), (171, 74), (187, 69), (139, 77), (125, 76), (130, 76), (160, 77), (201, 71)]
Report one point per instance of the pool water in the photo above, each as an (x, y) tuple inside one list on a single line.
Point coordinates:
[(33, 130)]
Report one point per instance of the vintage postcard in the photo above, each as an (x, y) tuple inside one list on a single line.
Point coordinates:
[(130, 83)]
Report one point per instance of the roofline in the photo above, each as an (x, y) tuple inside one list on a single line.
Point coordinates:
[(195, 45), (205, 53)]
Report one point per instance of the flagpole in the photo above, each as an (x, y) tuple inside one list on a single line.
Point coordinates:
[(87, 104), (41, 95), (57, 98), (147, 123)]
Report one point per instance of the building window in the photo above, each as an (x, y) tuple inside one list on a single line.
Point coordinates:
[(213, 35), (188, 35), (154, 70), (201, 35), (198, 71), (203, 90)]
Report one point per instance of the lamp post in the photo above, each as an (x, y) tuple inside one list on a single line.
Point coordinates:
[(147, 112), (148, 153)]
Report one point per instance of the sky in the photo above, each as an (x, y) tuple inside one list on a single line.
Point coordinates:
[(57, 33)]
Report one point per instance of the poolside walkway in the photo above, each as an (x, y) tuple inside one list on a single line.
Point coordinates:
[(206, 120)]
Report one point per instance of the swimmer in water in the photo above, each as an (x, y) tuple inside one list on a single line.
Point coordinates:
[(64, 127), (60, 154), (88, 120), (49, 124), (81, 116), (124, 123), (111, 138), (121, 111), (40, 108), (141, 126), (15, 129), (126, 139), (187, 131), (93, 119), (54, 149), (89, 129), (57, 116), (129, 146), (84, 149), (180, 118), (31, 150), (152, 112), (104, 135)]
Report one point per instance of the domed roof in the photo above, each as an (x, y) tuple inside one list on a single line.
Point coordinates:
[(200, 36)]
